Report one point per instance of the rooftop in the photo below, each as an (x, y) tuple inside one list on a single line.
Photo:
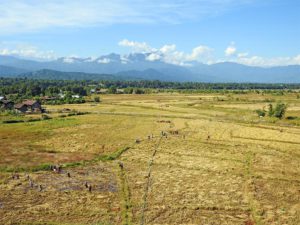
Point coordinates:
[(29, 102)]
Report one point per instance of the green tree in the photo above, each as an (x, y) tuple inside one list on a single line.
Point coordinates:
[(260, 112), (112, 90), (271, 110), (280, 110), (139, 91)]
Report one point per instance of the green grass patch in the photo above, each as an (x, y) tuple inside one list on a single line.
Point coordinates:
[(42, 167), (113, 156)]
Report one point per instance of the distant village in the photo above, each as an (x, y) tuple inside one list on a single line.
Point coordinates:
[(27, 106), (30, 106), (14, 100)]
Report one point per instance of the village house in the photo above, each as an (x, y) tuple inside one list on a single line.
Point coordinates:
[(75, 96), (48, 98), (120, 91), (102, 91), (61, 95), (29, 106), (95, 91)]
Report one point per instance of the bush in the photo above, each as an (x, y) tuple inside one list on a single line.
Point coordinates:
[(112, 90), (280, 110), (138, 91), (271, 110), (260, 112)]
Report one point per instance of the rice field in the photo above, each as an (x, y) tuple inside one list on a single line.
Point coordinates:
[(154, 159)]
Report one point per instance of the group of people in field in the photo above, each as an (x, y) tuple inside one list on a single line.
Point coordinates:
[(53, 168)]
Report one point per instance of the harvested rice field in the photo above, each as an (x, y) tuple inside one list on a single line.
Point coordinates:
[(153, 159)]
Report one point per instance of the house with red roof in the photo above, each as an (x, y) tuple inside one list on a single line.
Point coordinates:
[(29, 106)]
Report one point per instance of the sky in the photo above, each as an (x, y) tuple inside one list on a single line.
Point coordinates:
[(251, 32)]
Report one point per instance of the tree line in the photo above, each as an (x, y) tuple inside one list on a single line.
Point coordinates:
[(28, 88)]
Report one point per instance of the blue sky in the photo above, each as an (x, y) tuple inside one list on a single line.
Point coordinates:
[(253, 32)]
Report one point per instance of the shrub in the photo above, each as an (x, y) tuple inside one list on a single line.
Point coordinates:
[(138, 91), (112, 90), (260, 112), (280, 110), (271, 110)]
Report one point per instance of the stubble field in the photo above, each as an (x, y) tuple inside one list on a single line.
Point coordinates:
[(219, 163)]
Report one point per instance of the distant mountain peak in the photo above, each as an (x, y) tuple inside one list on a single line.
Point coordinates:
[(149, 66)]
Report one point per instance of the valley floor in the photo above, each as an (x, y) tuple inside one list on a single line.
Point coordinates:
[(217, 164)]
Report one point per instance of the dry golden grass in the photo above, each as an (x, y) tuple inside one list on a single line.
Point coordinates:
[(225, 165)]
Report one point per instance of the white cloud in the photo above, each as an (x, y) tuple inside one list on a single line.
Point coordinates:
[(104, 61), (137, 46), (19, 16), (242, 55), (90, 59), (68, 60), (246, 59), (199, 52), (231, 50), (269, 62), (153, 57), (167, 48), (169, 53), (25, 50), (124, 59), (297, 59)]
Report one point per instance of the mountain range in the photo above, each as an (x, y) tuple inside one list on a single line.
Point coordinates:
[(137, 66)]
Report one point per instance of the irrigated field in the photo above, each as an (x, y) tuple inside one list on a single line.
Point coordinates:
[(219, 163)]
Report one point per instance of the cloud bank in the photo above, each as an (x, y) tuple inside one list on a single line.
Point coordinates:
[(233, 55), (26, 51), (19, 16), (205, 54), (167, 53)]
